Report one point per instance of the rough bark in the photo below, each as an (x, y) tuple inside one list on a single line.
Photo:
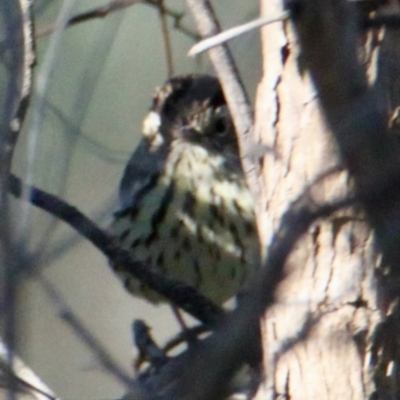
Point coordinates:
[(320, 336)]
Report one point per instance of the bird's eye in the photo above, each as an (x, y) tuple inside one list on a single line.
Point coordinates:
[(167, 109), (220, 126)]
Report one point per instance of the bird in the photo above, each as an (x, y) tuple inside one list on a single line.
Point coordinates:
[(184, 207)]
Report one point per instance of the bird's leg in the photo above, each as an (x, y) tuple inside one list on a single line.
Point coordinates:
[(189, 335), (147, 348)]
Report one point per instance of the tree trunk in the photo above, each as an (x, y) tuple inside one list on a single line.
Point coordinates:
[(323, 336)]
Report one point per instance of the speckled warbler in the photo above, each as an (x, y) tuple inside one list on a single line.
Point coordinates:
[(185, 208)]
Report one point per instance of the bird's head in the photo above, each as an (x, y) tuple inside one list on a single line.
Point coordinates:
[(191, 108)]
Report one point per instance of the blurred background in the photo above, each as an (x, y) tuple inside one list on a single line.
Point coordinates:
[(99, 77)]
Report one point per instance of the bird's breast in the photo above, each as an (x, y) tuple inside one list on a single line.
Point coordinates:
[(196, 225)]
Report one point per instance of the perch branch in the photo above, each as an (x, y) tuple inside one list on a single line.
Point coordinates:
[(182, 295)]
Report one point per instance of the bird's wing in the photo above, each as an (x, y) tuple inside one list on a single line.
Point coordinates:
[(141, 173)]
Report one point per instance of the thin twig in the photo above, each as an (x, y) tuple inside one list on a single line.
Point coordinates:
[(84, 335), (24, 378), (177, 17), (167, 38), (26, 73), (95, 13), (231, 33), (113, 6), (38, 104)]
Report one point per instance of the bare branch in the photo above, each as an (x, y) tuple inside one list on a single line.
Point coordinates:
[(231, 33), (116, 5), (26, 72), (167, 38), (182, 295), (95, 13), (68, 316), (20, 48)]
